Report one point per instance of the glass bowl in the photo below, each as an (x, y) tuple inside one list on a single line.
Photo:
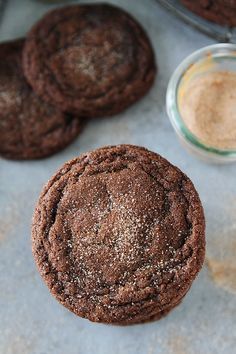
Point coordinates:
[(216, 57)]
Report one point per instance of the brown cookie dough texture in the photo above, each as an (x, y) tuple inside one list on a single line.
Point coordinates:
[(29, 127), (94, 60), (118, 235), (222, 12)]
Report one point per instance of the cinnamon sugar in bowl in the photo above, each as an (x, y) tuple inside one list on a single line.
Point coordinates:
[(201, 102)]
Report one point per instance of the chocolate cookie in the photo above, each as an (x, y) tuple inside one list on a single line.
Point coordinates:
[(29, 127), (222, 12), (118, 235), (94, 60)]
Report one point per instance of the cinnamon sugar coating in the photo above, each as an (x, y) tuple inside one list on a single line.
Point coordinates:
[(95, 60), (118, 235)]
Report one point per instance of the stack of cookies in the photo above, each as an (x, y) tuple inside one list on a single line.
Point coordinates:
[(76, 63), (222, 12), (119, 235)]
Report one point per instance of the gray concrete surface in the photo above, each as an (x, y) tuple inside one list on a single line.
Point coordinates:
[(31, 321)]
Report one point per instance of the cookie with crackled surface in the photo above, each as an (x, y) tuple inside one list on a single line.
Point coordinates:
[(95, 60), (118, 235), (29, 127)]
